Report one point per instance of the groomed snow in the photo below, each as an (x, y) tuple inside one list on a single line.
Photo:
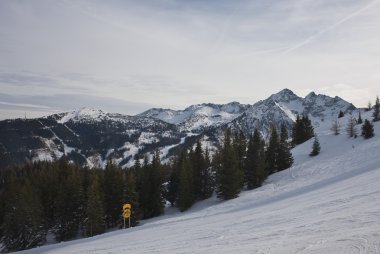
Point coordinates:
[(326, 204)]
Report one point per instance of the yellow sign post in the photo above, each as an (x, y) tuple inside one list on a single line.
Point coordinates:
[(127, 213), (126, 206)]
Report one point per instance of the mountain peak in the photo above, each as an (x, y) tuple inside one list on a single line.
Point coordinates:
[(83, 113), (311, 94), (284, 95)]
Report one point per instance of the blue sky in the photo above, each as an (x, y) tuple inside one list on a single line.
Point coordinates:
[(128, 56)]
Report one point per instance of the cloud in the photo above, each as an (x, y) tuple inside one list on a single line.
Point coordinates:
[(331, 27), (23, 105), (172, 53), (46, 105), (26, 79)]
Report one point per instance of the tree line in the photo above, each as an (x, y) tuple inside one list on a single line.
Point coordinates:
[(68, 201), (367, 128)]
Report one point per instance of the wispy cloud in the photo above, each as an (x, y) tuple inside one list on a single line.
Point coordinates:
[(26, 79), (48, 104), (23, 105), (331, 27)]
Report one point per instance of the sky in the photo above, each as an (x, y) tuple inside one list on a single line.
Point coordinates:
[(128, 56)]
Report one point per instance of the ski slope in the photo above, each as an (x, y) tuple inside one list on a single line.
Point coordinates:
[(326, 204)]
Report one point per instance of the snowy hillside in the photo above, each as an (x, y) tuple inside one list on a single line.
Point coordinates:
[(325, 204)]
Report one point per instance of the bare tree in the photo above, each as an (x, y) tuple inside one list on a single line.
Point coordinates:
[(351, 127), (335, 127), (369, 107)]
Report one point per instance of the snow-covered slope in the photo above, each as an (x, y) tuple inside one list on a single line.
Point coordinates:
[(325, 204)]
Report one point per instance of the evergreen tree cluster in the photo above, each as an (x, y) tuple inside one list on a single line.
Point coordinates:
[(302, 130), (278, 154), (229, 171), (69, 201), (191, 178), (239, 163)]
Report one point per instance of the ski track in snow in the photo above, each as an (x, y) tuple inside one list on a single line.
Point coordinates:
[(66, 149), (75, 134), (165, 150), (326, 204)]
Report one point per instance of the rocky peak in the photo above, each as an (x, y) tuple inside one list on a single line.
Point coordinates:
[(284, 95)]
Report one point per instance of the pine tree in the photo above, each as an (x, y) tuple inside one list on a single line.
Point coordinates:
[(138, 174), (186, 195), (297, 131), (272, 151), (132, 197), (351, 127), (137, 169), (255, 161), (172, 189), (229, 177), (69, 203), (316, 147), (367, 129), (2, 208), (376, 110), (23, 225), (47, 184), (95, 217), (309, 130), (114, 193), (198, 165), (202, 176), (302, 130), (285, 158), (157, 191), (208, 179), (240, 146), (360, 120), (151, 196), (341, 114)]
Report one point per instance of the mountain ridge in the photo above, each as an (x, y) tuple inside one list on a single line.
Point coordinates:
[(91, 136)]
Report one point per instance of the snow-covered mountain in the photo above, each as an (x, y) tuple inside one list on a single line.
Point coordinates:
[(324, 204), (86, 136), (92, 136), (283, 107), (197, 118)]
